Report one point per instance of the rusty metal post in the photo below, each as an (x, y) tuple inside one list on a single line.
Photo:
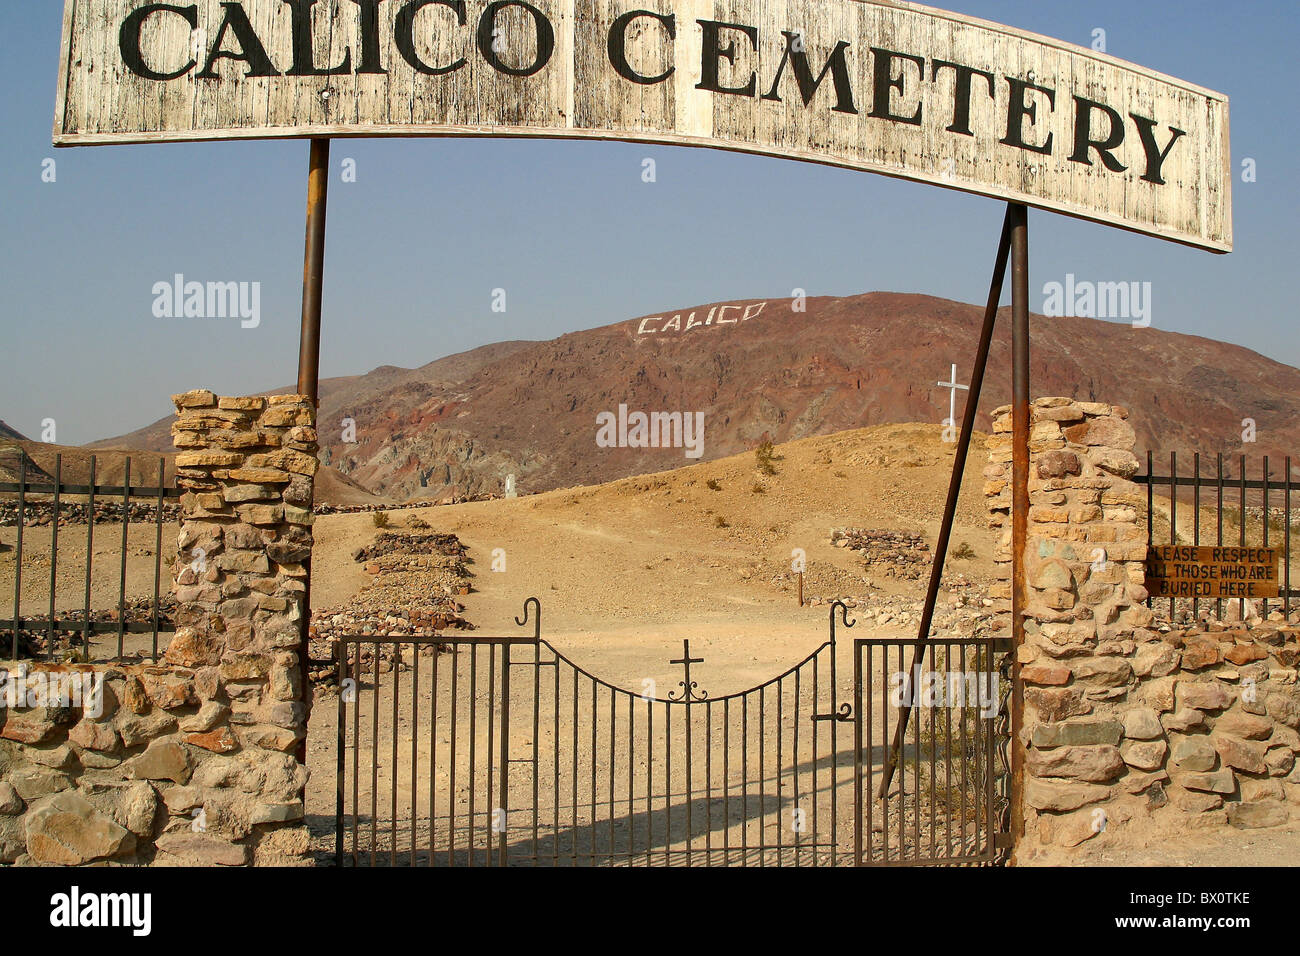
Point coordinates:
[(1020, 425), (954, 492), (801, 589), (313, 274)]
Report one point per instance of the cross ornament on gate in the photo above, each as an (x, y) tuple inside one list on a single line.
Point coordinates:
[(689, 692)]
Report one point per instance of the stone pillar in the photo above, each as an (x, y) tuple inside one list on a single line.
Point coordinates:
[(187, 760), (1087, 521), (1124, 715), (1084, 611), (246, 467)]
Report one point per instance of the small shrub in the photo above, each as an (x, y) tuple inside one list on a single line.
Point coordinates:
[(763, 457), (720, 522), (712, 485), (964, 552), (379, 519), (758, 489)]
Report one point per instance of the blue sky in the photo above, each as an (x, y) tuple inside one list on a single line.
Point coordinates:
[(431, 227)]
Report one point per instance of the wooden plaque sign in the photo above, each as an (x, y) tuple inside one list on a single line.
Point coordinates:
[(1186, 571), (887, 87)]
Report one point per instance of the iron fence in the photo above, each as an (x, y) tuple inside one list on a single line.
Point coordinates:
[(73, 609), (1258, 507)]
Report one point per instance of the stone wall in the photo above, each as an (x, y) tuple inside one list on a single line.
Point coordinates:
[(188, 759), (1132, 726)]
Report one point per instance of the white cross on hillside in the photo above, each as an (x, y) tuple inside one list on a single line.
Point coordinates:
[(952, 396)]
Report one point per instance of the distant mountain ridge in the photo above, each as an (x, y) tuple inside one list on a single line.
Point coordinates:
[(757, 368)]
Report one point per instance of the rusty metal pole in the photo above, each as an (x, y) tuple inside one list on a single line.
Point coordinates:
[(801, 589), (313, 274), (954, 494), (313, 271), (1019, 499)]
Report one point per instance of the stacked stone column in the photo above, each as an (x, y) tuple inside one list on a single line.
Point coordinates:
[(246, 468), (1123, 716), (190, 759)]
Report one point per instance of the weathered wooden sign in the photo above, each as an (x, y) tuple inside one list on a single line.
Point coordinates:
[(892, 88), (1187, 571)]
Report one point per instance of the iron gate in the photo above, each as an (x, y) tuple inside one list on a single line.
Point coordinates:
[(931, 772), (509, 753), (506, 752)]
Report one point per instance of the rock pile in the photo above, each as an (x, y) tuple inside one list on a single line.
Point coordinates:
[(895, 554), (34, 635), (416, 577), (324, 509), (39, 514), (400, 543)]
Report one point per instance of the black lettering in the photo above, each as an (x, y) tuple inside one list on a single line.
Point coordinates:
[(252, 51), (404, 34), (1155, 156), (1083, 139), (711, 55), (487, 28), (128, 39), (836, 65), (617, 45), (961, 98), (1018, 109), (884, 82), (304, 57), (368, 17)]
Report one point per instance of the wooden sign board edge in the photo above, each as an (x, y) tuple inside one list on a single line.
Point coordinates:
[(1277, 555), (1273, 587), (62, 139)]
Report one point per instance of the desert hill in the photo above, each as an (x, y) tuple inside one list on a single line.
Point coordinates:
[(758, 369), (8, 434), (345, 390), (14, 449)]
